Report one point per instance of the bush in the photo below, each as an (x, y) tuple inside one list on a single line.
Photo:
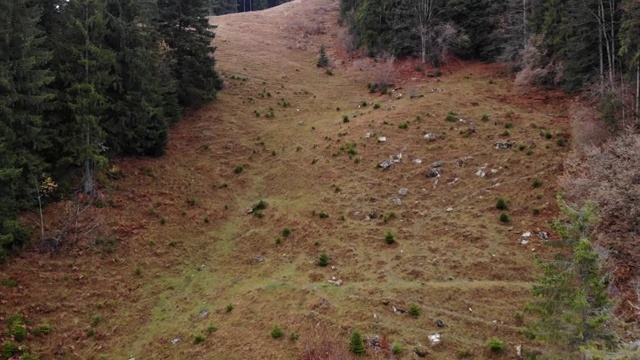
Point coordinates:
[(356, 344), (9, 349), (536, 183), (452, 117), (276, 332), (389, 239), (485, 118), (495, 345), (323, 60), (229, 307), (323, 215), (198, 338), (238, 169), (376, 106), (286, 232), (396, 348), (293, 336), (414, 310), (211, 329), (404, 125), (501, 204), (504, 218), (324, 259), (345, 119)]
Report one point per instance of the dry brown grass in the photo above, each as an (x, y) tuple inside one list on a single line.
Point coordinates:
[(463, 267)]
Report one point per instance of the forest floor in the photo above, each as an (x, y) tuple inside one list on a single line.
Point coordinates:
[(171, 252)]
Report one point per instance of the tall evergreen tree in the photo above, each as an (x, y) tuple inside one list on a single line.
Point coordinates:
[(138, 118), (188, 36), (83, 68), (23, 97)]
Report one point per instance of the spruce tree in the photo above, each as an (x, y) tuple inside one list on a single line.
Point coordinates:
[(83, 66), (137, 120), (188, 36), (23, 97), (323, 60), (570, 297)]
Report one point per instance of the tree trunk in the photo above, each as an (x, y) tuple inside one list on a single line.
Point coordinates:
[(637, 112)]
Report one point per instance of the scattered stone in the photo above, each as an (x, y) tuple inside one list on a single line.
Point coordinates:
[(259, 259), (334, 281), (203, 314), (430, 137), (374, 343), (397, 201), (440, 323), (463, 161), (417, 96), (543, 235), (433, 173), (519, 351), (525, 237), (481, 173), (434, 338), (322, 304), (418, 161), (449, 209), (503, 145), (403, 191), (373, 215), (436, 164), (399, 96), (367, 135), (421, 353), (397, 158), (175, 341), (398, 311), (249, 211), (494, 171), (454, 181), (385, 164), (382, 139)]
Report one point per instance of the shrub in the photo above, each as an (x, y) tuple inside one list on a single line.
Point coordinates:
[(535, 211), (260, 205), (229, 307), (293, 336), (278, 240), (238, 169), (97, 319), (404, 125), (323, 60), (508, 125), (8, 282), (345, 119), (9, 349), (396, 348), (463, 353), (18, 330), (389, 239), (485, 118), (211, 329), (504, 218), (356, 344), (451, 116), (276, 332), (323, 215), (521, 147), (198, 338), (324, 259), (376, 106), (44, 329), (192, 202), (138, 271), (286, 232), (414, 310), (536, 183), (495, 345), (329, 72), (501, 204), (561, 142)]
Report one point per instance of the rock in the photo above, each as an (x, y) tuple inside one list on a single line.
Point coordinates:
[(418, 161), (203, 314), (430, 137), (373, 215), (249, 211), (175, 341), (436, 164), (433, 173), (397, 201), (403, 191), (434, 338), (367, 135), (519, 351), (259, 259), (382, 139), (334, 281), (374, 343), (420, 353), (525, 237), (398, 310), (397, 158), (385, 164), (481, 173), (543, 235), (440, 323), (449, 209), (503, 145)]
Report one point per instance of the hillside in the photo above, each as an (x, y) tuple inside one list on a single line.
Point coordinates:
[(173, 251)]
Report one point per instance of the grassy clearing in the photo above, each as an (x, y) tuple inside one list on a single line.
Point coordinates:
[(462, 266)]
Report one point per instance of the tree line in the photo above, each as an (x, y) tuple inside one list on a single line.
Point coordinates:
[(570, 44), (223, 7), (82, 81)]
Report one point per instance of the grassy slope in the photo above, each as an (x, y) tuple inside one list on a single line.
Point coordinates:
[(463, 267)]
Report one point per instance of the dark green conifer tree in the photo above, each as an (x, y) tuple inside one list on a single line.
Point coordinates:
[(188, 36)]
